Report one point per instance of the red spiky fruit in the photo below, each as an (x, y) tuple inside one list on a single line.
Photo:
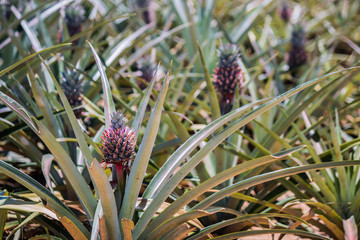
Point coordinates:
[(118, 143), (228, 73)]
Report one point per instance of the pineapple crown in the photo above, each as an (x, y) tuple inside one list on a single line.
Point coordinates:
[(118, 143), (71, 78), (117, 120), (228, 73), (228, 53)]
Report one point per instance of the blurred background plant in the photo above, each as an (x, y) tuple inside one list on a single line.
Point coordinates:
[(242, 115)]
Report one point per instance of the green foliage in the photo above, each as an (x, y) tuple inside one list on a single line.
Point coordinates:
[(282, 156)]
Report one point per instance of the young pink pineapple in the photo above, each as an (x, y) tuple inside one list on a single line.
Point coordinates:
[(227, 75)]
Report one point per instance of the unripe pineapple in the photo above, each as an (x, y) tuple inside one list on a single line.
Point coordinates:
[(74, 19), (117, 120), (72, 89), (228, 74), (118, 143), (146, 68), (297, 55)]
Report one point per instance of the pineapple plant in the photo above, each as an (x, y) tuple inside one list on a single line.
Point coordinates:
[(192, 168), (297, 55), (72, 88), (227, 75), (118, 147)]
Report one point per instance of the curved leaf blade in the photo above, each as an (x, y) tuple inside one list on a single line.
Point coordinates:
[(161, 177), (109, 106), (212, 182), (249, 217), (250, 182), (42, 192), (272, 231), (28, 58), (142, 107)]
